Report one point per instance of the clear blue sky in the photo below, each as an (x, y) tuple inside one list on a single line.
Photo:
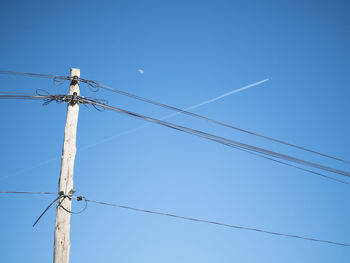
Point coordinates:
[(190, 51)]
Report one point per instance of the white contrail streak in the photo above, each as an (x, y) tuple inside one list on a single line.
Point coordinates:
[(140, 127), (173, 114), (217, 98), (226, 94)]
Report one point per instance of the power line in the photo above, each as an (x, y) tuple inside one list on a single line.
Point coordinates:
[(235, 144), (249, 148), (22, 97), (31, 193), (294, 166), (219, 224), (234, 91), (219, 122), (36, 75), (59, 98), (13, 92), (95, 85), (61, 196), (226, 141)]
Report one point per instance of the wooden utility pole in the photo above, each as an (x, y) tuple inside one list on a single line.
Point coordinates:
[(65, 183)]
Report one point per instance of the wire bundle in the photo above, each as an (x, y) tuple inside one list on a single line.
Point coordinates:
[(257, 151)]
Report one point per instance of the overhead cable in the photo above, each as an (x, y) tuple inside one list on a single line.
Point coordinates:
[(61, 196), (226, 141), (32, 193), (59, 98), (219, 122), (95, 86), (98, 104), (294, 166), (218, 223)]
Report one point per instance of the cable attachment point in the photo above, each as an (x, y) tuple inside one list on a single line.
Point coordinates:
[(60, 198), (70, 194), (74, 80), (74, 99)]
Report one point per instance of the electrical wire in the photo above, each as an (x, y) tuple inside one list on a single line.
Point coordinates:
[(59, 98), (234, 91), (22, 97), (99, 104), (62, 196), (47, 208), (294, 166), (13, 92), (225, 141), (36, 75), (245, 147), (95, 85), (219, 122), (32, 193), (218, 223)]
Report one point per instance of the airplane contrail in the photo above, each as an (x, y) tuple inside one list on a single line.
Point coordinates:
[(218, 97), (139, 128)]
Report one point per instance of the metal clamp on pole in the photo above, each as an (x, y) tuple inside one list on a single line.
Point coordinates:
[(74, 80), (74, 99)]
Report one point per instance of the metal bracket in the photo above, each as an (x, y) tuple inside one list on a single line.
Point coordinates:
[(74, 80)]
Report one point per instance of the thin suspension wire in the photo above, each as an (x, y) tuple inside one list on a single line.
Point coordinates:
[(36, 75), (218, 223), (225, 141), (174, 216), (190, 218), (31, 193), (13, 92), (59, 98), (95, 85), (294, 166), (221, 123), (23, 97), (47, 208)]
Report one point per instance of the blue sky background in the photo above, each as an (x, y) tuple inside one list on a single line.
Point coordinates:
[(190, 51)]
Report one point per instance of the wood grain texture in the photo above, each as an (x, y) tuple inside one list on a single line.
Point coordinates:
[(65, 184)]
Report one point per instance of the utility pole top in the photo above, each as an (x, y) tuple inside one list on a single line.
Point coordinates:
[(74, 72)]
